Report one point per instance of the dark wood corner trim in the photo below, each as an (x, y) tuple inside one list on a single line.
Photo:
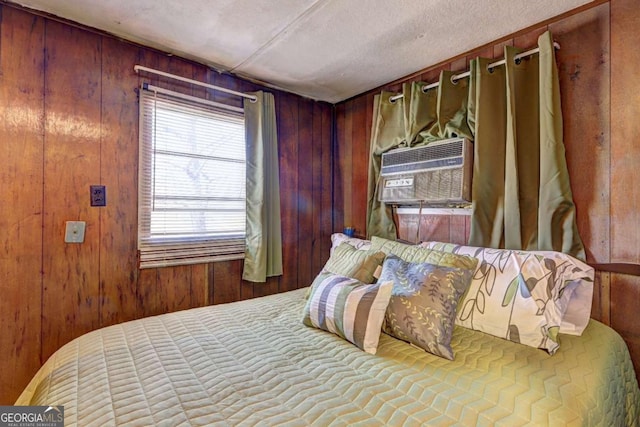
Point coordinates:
[(619, 267)]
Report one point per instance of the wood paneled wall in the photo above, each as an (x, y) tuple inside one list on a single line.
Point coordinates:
[(601, 105), (69, 119)]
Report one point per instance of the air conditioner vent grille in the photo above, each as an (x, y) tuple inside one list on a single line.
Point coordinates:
[(421, 154)]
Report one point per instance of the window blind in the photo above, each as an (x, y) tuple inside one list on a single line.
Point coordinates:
[(191, 203)]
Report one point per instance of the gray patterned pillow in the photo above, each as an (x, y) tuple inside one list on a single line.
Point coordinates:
[(423, 304)]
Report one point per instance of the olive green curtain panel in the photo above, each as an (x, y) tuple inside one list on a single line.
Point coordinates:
[(557, 225), (417, 118), (521, 193), (387, 131), (263, 252)]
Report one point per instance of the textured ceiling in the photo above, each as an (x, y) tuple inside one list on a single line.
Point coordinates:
[(329, 50)]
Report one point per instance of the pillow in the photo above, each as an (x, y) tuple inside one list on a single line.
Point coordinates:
[(422, 309), (411, 253), (348, 308), (351, 262), (524, 296), (338, 238)]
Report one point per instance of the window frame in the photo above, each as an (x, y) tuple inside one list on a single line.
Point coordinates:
[(154, 250)]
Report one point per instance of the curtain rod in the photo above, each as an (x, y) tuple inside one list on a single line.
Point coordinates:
[(138, 68), (457, 77)]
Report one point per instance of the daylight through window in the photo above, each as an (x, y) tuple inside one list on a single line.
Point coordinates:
[(192, 182)]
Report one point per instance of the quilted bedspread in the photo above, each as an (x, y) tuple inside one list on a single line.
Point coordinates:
[(255, 363)]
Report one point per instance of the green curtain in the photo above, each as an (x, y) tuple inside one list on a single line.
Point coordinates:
[(263, 253), (419, 117), (387, 132), (521, 193)]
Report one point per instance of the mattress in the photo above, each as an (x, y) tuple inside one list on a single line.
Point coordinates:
[(254, 363)]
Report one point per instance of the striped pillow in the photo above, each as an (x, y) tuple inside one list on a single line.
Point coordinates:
[(348, 308)]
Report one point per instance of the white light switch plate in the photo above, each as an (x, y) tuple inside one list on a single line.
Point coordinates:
[(74, 232)]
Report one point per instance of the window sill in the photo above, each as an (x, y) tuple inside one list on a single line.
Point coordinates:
[(433, 211)]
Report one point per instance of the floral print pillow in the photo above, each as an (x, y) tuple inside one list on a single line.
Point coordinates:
[(523, 296)]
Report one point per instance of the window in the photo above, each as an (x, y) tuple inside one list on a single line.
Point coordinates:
[(191, 205)]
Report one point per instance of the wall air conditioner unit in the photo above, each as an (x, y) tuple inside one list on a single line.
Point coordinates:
[(437, 174)]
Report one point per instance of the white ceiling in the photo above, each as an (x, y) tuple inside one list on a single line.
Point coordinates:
[(329, 50)]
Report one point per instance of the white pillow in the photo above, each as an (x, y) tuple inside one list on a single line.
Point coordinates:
[(525, 296)]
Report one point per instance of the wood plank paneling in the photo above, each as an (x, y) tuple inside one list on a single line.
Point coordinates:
[(118, 152), (457, 230), (317, 184), (359, 150), (340, 156), (21, 177), (408, 228), (530, 38), (199, 285), (306, 208), (221, 274), (486, 52), (322, 186), (432, 75), (345, 161), (459, 65), (601, 306), (229, 82), (288, 146), (72, 81), (584, 83), (162, 290), (146, 297), (327, 209), (270, 287), (625, 160), (498, 48), (436, 228), (625, 133), (70, 120)]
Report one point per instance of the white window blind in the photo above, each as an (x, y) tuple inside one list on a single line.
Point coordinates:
[(191, 205)]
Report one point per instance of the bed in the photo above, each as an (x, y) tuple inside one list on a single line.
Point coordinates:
[(255, 363)]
